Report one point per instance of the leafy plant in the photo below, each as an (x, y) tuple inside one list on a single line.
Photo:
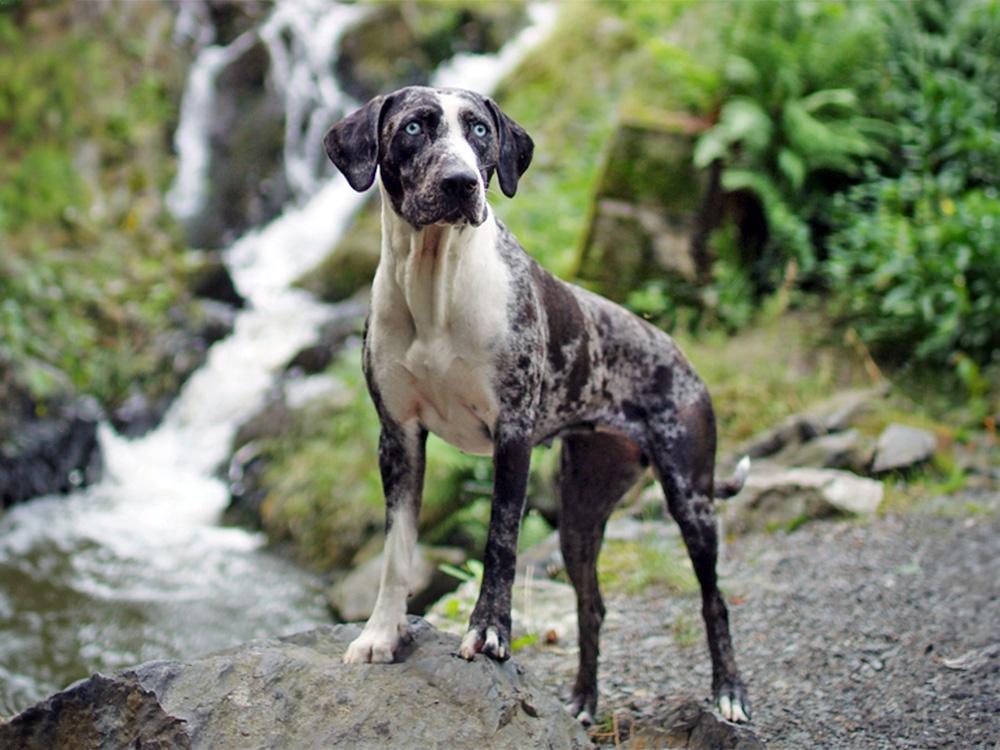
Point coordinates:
[(791, 129), (915, 264), (917, 272)]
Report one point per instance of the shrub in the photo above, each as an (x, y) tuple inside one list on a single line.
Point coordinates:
[(791, 128), (915, 264), (918, 273)]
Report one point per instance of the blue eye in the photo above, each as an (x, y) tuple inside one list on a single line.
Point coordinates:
[(413, 128), (479, 129)]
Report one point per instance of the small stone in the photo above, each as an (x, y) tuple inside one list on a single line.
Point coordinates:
[(900, 447)]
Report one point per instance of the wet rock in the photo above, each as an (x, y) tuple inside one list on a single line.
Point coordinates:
[(901, 447), (776, 498), (295, 692), (46, 448), (212, 280), (248, 184), (333, 335), (230, 18), (353, 597)]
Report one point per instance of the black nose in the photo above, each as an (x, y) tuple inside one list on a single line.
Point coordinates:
[(459, 183)]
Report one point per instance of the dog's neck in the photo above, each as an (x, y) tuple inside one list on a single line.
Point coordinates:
[(404, 243), (437, 266)]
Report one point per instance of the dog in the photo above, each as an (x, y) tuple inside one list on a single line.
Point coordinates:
[(469, 338)]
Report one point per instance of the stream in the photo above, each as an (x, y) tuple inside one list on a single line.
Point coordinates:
[(137, 566)]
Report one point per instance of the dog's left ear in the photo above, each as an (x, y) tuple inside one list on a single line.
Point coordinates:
[(516, 148), (353, 144)]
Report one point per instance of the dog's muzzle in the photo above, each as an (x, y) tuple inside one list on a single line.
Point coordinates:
[(462, 197)]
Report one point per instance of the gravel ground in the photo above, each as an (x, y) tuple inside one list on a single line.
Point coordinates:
[(881, 634)]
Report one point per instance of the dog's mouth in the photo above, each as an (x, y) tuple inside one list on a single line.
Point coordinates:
[(471, 212)]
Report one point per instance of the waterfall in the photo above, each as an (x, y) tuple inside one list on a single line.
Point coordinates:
[(136, 567)]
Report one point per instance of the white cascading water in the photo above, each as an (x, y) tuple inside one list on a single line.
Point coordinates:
[(137, 567)]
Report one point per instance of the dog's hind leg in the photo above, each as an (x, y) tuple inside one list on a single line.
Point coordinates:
[(401, 461), (595, 470), (683, 461)]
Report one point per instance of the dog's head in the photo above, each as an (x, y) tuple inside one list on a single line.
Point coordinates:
[(435, 151)]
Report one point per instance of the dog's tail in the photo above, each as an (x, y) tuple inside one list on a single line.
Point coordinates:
[(726, 488)]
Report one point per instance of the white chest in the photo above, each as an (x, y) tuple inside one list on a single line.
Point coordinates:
[(439, 314)]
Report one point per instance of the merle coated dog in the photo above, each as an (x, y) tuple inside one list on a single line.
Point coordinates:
[(469, 338)]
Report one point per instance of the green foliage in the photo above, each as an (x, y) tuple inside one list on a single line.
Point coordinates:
[(791, 129), (91, 272), (918, 273), (915, 264), (634, 566)]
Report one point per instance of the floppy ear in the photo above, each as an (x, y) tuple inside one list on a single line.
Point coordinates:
[(516, 148), (353, 142)]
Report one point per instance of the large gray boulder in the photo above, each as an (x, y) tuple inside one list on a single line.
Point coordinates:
[(294, 692)]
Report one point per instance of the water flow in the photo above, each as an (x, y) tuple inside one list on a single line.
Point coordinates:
[(136, 567)]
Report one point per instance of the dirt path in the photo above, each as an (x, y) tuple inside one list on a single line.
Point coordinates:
[(883, 634)]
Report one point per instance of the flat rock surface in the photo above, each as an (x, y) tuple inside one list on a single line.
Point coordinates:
[(851, 635), (900, 446), (294, 693)]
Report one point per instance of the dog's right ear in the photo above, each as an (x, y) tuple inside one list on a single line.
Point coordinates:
[(516, 149), (353, 144)]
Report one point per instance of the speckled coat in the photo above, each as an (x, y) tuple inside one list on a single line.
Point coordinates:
[(471, 339)]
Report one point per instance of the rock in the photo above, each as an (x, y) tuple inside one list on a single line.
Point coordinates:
[(231, 17), (333, 335), (295, 692), (784, 498), (353, 597), (248, 184), (395, 46), (46, 448), (689, 725), (848, 450), (212, 280), (900, 447), (832, 415), (646, 209)]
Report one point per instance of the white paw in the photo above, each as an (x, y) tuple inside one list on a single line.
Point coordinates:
[(472, 644), (375, 647), (492, 644), (732, 709)]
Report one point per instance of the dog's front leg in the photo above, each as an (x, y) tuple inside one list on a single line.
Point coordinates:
[(401, 462), (489, 626)]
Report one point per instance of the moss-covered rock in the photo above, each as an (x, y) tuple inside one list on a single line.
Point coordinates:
[(648, 207), (351, 265), (401, 43)]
